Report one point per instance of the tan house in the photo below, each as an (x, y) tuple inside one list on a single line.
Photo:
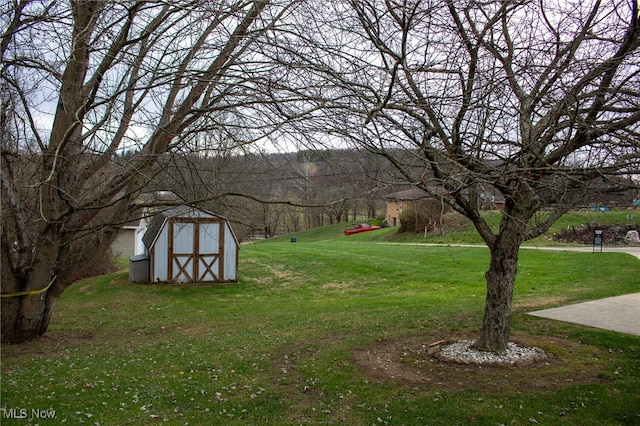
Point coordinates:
[(397, 202)]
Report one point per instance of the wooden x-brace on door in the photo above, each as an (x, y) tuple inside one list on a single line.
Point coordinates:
[(196, 250)]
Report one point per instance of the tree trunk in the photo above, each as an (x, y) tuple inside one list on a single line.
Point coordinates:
[(501, 276), (28, 297), (60, 259), (26, 317), (494, 335)]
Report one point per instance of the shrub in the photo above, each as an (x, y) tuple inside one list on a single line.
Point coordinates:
[(423, 215)]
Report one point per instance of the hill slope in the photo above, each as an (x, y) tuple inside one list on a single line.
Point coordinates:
[(459, 230)]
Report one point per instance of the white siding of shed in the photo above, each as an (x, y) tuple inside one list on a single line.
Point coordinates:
[(161, 248), (230, 255)]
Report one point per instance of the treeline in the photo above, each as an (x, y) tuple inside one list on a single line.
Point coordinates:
[(265, 194)]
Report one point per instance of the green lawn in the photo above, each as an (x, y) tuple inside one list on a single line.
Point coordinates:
[(288, 343)]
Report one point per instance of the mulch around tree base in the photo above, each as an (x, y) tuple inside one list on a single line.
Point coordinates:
[(407, 360)]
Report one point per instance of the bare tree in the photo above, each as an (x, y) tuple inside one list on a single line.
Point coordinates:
[(538, 100), (84, 81)]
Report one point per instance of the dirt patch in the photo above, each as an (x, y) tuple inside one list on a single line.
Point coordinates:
[(337, 286), (532, 304), (407, 360), (47, 344)]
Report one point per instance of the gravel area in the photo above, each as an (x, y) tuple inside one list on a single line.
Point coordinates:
[(461, 352)]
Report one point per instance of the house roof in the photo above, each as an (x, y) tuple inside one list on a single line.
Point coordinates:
[(411, 194), (419, 194), (156, 198)]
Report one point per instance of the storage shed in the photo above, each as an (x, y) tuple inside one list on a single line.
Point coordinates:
[(189, 245)]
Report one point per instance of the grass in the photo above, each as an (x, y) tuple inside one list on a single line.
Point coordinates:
[(284, 345)]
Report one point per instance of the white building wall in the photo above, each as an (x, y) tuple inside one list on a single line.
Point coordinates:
[(123, 244)]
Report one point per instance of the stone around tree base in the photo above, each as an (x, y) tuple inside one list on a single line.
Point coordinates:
[(461, 352)]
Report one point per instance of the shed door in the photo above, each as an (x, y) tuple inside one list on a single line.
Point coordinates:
[(209, 251), (196, 252), (181, 255)]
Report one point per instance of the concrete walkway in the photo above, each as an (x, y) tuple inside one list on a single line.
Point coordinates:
[(632, 250), (620, 313)]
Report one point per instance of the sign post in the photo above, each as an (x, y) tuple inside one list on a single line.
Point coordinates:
[(597, 240)]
